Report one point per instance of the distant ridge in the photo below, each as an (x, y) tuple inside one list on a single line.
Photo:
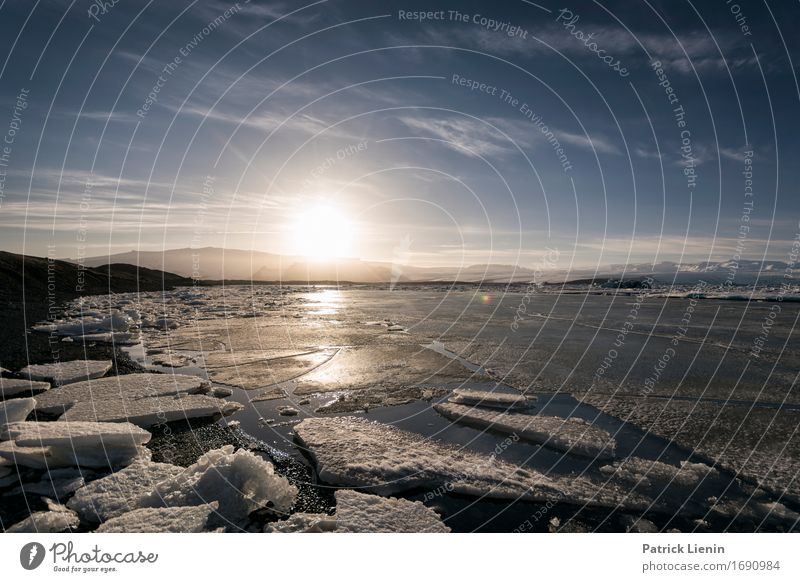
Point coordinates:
[(213, 263), (42, 278)]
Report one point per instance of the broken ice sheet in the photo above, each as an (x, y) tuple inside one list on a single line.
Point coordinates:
[(571, 435), (362, 367)]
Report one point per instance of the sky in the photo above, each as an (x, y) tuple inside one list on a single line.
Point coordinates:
[(451, 133)]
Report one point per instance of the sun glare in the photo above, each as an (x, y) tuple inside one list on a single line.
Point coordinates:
[(323, 232)]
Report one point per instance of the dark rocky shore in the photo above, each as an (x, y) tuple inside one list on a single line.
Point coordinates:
[(35, 289)]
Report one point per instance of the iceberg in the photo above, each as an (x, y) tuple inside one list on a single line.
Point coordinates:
[(192, 519), (571, 435), (16, 410), (240, 481), (61, 373), (120, 492)]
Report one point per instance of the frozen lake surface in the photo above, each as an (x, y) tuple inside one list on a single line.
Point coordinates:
[(622, 362)]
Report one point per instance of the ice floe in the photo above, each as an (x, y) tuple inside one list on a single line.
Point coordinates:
[(363, 513), (379, 396), (571, 435), (492, 399), (47, 445), (240, 481), (61, 373), (147, 412), (56, 483), (645, 473), (354, 452), (56, 520), (191, 519), (359, 512), (126, 387), (10, 387), (16, 410), (303, 523), (142, 399), (120, 492)]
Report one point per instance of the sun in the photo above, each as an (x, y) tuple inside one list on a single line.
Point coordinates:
[(323, 232)]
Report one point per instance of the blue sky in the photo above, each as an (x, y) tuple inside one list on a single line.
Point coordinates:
[(271, 109)]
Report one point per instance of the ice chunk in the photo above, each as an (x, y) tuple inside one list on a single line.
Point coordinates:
[(61, 373), (571, 435), (58, 519), (240, 481), (147, 412), (120, 338), (120, 492), (638, 524), (12, 387), (77, 434), (288, 411), (87, 325), (47, 445), (127, 387), (191, 519), (16, 410), (362, 513), (492, 399), (352, 451), (644, 473), (54, 486), (303, 523)]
